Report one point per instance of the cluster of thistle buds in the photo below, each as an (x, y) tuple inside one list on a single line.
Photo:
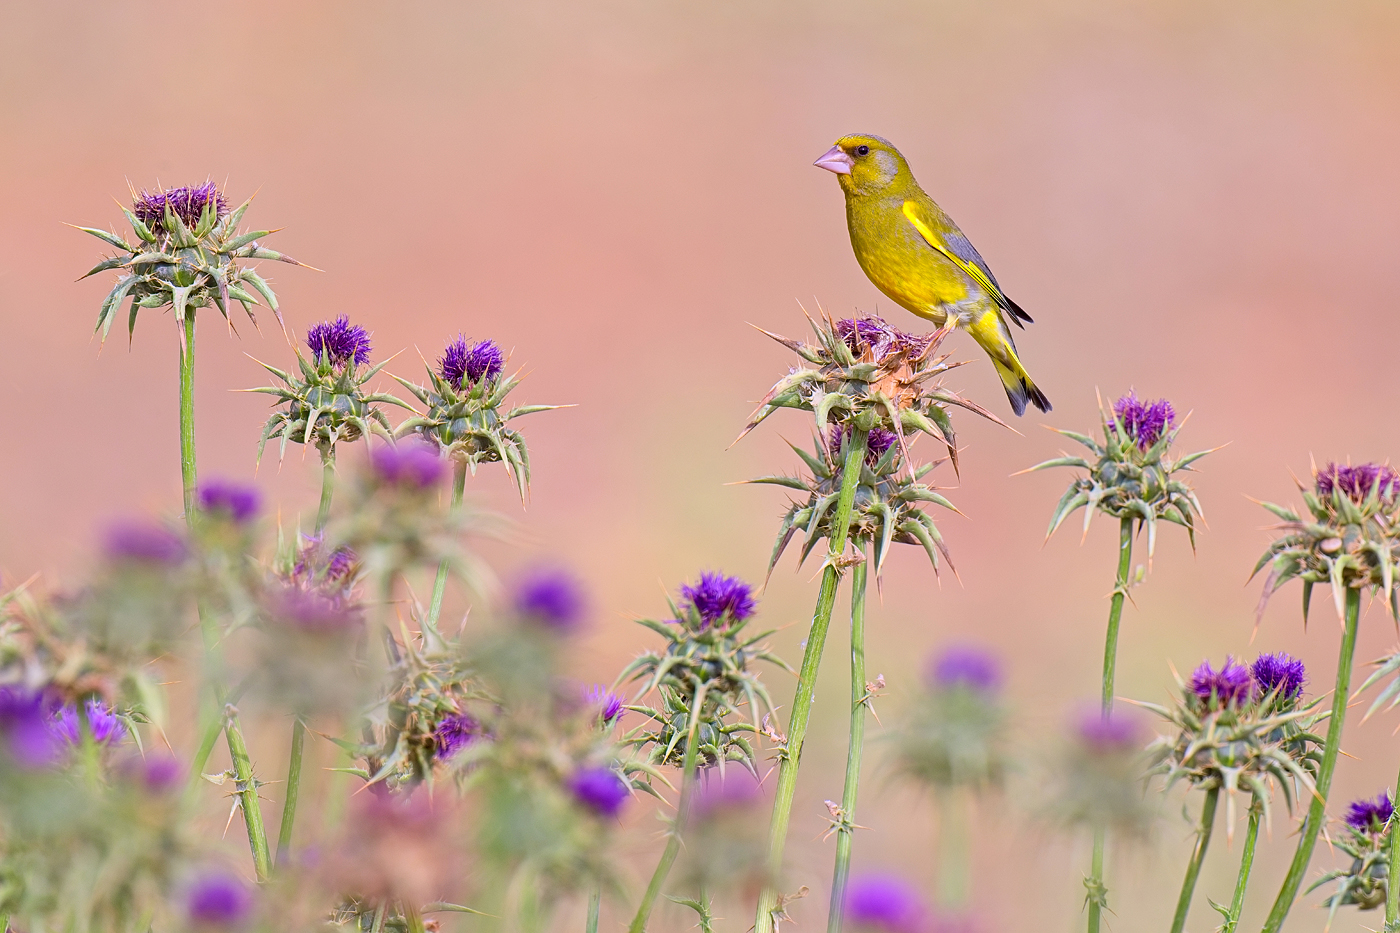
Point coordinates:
[(1349, 538), (1242, 729), (1133, 474), (1363, 883), (188, 255), (703, 676)]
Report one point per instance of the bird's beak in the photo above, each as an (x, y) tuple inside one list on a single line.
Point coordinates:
[(835, 160)]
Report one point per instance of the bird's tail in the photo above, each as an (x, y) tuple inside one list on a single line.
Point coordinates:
[(992, 335)]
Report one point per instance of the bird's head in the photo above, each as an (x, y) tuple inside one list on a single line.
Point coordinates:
[(866, 165)]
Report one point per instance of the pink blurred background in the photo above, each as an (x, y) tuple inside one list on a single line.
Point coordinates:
[(1197, 200)]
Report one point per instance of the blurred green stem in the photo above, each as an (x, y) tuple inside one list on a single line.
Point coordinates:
[(595, 903), (188, 472), (956, 851), (845, 826), (1251, 836), (673, 844), (1392, 891), (289, 804), (1098, 892), (412, 918), (791, 754), (379, 911), (1198, 855), (247, 791), (323, 514), (1317, 810), (459, 486)]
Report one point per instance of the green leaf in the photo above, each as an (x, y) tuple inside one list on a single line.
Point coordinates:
[(259, 283), (114, 262), (106, 237)]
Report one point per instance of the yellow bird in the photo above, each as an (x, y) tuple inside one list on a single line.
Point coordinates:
[(915, 254)]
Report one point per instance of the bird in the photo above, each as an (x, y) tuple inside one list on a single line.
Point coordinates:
[(913, 252)]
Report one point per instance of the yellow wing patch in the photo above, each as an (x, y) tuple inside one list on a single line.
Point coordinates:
[(911, 211)]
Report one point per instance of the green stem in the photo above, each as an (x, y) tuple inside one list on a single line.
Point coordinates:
[(791, 755), (952, 867), (673, 844), (323, 513), (1193, 867), (595, 903), (188, 472), (845, 829), (459, 486), (289, 805), (378, 925), (413, 919), (247, 791), (1317, 811), (1251, 836), (1392, 891), (1098, 891)]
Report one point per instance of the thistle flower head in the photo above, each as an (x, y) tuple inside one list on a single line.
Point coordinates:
[(159, 773), (1370, 815), (884, 903), (218, 901), (1362, 883), (314, 610), (410, 467), (600, 790), (1231, 685), (966, 666), (338, 343), (1108, 734), (1357, 483), (463, 364), (717, 598), (1097, 781), (876, 443), (237, 502), (187, 202), (144, 542), (25, 732), (608, 704), (455, 732), (955, 733), (1279, 674), (551, 597), (106, 726), (1145, 422)]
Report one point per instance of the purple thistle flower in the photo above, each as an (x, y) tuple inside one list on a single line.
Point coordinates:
[(607, 703), (218, 901), (463, 364), (1145, 422), (106, 727), (1108, 734), (876, 443), (144, 542), (161, 773), (965, 666), (1279, 672), (716, 596), (600, 790), (885, 903), (342, 566), (455, 732), (187, 203), (550, 596), (1231, 684), (339, 342), (736, 791), (24, 728), (313, 611), (1370, 815), (1357, 482), (409, 466), (235, 501), (879, 337)]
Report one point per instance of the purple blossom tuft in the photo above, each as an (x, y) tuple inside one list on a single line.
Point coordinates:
[(408, 466), (965, 666), (885, 903), (1279, 672), (1108, 734), (1231, 684), (716, 596), (339, 342), (455, 732), (876, 443), (607, 703), (736, 791), (107, 728), (313, 611), (1370, 815), (600, 790), (550, 596), (463, 364), (235, 501), (1145, 422), (1357, 482), (877, 336), (342, 566), (161, 773), (187, 203), (24, 728), (218, 901), (144, 542)]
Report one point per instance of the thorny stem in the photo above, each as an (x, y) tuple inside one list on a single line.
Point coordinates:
[(845, 829), (1392, 891), (1317, 811), (247, 791), (459, 486), (1193, 867), (595, 903), (289, 805), (673, 844), (1251, 836), (323, 514), (807, 678), (188, 471), (1097, 891)]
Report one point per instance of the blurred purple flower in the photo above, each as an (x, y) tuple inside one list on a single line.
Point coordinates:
[(716, 596), (463, 364), (313, 611), (967, 666), (408, 466), (342, 565), (1357, 482), (1108, 734), (1145, 422), (235, 501), (144, 542), (607, 703), (600, 790), (1370, 815), (737, 790), (550, 596), (1231, 684), (187, 203), (218, 901), (885, 903), (107, 728), (1279, 672), (24, 728), (339, 342), (161, 773), (455, 732)]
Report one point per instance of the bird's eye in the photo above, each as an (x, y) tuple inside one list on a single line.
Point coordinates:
[(862, 150)]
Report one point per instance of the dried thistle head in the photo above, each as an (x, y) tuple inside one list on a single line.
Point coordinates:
[(1349, 536)]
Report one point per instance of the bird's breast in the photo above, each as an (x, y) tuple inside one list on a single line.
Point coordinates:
[(898, 261)]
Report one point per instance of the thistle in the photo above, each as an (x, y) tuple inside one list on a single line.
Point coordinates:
[(1363, 883), (955, 735)]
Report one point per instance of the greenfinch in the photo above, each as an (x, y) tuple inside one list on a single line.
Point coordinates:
[(915, 254)]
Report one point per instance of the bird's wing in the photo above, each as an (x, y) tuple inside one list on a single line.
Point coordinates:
[(960, 251)]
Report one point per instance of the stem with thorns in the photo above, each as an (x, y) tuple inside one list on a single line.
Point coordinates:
[(1317, 811), (845, 829), (1251, 836), (247, 791), (1392, 891), (188, 468), (323, 513), (1198, 855), (459, 486), (807, 677)]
